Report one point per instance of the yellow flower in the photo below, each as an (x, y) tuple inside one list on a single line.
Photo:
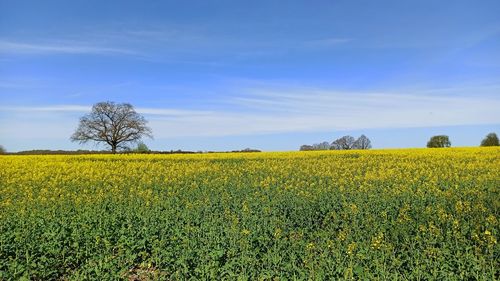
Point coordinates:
[(351, 248)]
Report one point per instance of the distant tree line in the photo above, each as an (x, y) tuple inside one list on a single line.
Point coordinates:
[(349, 142), (343, 143), (141, 148)]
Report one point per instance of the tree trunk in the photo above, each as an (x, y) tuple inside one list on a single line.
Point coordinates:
[(113, 148)]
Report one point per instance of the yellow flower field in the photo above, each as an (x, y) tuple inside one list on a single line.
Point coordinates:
[(380, 214)]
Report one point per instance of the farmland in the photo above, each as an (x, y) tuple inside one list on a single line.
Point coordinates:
[(381, 214)]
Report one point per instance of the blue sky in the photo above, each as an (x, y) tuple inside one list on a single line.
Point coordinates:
[(224, 75)]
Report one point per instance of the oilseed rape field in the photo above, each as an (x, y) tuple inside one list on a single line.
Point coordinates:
[(409, 214)]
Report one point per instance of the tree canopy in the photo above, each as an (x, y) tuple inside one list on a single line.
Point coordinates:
[(113, 124), (142, 148), (362, 143), (439, 141), (343, 143), (490, 140)]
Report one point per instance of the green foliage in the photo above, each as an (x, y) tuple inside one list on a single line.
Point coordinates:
[(142, 148), (439, 141), (490, 140)]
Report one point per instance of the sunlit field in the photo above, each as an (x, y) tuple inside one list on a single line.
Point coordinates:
[(382, 214)]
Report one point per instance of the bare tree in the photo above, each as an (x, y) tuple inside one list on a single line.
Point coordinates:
[(321, 146), (113, 124), (2, 150), (343, 143), (362, 143)]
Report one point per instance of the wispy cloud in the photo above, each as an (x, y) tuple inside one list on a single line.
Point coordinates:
[(327, 42), (309, 111), (86, 108), (21, 83), (54, 108), (281, 110), (172, 112), (10, 85), (183, 44), (60, 47)]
